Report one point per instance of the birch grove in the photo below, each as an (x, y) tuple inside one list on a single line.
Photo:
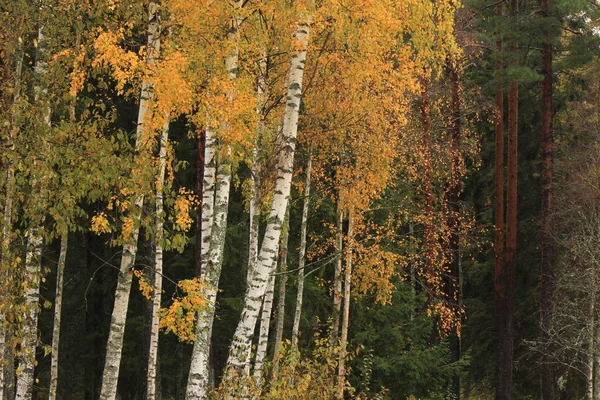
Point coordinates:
[(156, 218)]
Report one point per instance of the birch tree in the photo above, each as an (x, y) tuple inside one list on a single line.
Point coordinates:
[(241, 345), (214, 225), (301, 255), (114, 345), (151, 384)]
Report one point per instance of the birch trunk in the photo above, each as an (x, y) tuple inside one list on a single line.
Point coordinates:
[(214, 226), (211, 271), (267, 258), (263, 339), (5, 357), (33, 257), (57, 315), (301, 256), (346, 315), (282, 287), (255, 192), (151, 384), (337, 278), (110, 375), (33, 266)]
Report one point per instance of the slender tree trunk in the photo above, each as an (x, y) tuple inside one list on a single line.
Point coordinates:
[(151, 383), (547, 278), (452, 198), (211, 271), (57, 315), (430, 241), (346, 314), (33, 258), (301, 256), (6, 355), (337, 276), (267, 258), (255, 188), (263, 338), (282, 289), (214, 225), (504, 383), (200, 194), (114, 346)]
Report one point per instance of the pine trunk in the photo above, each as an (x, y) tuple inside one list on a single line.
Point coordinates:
[(267, 257), (301, 256), (151, 383), (547, 278), (346, 314), (114, 345), (57, 316), (282, 289)]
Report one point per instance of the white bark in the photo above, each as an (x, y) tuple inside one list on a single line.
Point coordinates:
[(337, 278), (242, 341), (57, 315), (7, 217), (256, 181), (214, 228), (263, 338), (33, 265), (151, 384), (211, 271), (301, 256), (208, 190), (282, 289), (110, 375), (33, 257), (346, 315)]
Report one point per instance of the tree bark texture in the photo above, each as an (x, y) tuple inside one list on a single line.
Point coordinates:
[(114, 346), (62, 258), (283, 277), (302, 256), (267, 257), (215, 205), (151, 379), (337, 276), (346, 313)]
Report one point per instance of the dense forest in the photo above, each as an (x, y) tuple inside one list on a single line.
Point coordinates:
[(299, 199)]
